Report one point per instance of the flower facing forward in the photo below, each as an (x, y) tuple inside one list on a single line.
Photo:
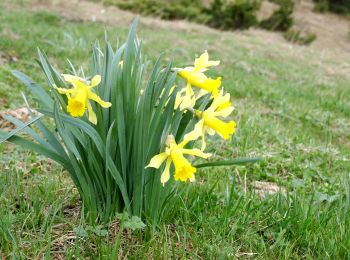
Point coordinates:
[(174, 153), (80, 95), (195, 76), (210, 122)]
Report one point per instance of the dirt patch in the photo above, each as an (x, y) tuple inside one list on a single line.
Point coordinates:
[(332, 30), (3, 101), (2, 59), (21, 114), (264, 188), (11, 56), (8, 33), (266, 10)]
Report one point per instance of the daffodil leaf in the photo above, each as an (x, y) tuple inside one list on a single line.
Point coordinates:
[(238, 161)]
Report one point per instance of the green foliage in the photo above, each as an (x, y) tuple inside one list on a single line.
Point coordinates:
[(335, 6), (123, 141), (169, 9), (297, 36), (47, 18), (107, 161), (241, 14), (281, 19), (223, 14)]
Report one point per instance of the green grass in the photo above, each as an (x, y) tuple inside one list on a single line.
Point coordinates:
[(289, 111)]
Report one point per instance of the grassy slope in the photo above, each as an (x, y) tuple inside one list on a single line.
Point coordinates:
[(290, 112)]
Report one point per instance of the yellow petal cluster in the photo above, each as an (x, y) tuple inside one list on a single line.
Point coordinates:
[(211, 120), (175, 154), (194, 76), (80, 94)]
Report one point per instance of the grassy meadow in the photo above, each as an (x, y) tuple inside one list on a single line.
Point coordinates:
[(291, 111)]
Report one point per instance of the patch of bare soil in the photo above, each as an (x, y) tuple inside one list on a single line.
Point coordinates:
[(330, 51), (2, 58), (21, 114), (333, 31), (264, 188)]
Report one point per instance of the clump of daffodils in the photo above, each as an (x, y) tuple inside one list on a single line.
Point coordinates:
[(125, 134), (210, 120)]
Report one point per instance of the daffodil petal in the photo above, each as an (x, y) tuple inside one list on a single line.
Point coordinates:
[(189, 90), (71, 78), (201, 93), (98, 100), (196, 152), (193, 135), (95, 80), (92, 115), (166, 173), (210, 131), (203, 62), (65, 90), (224, 112), (204, 144), (193, 178), (157, 160)]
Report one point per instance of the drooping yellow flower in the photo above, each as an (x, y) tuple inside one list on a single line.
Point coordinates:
[(174, 153), (185, 98), (209, 119), (195, 76), (80, 95)]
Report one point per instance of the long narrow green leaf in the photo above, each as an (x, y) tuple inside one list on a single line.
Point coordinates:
[(37, 90), (238, 161), (19, 129), (37, 148)]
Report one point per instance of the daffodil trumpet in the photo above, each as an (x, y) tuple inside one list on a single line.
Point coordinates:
[(209, 119)]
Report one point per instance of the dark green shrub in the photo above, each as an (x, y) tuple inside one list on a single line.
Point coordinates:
[(296, 36), (47, 18), (321, 6), (165, 9), (239, 14), (335, 6), (281, 19)]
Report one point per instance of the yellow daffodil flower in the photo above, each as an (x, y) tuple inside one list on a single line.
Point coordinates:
[(195, 75), (209, 121), (185, 98), (174, 153), (80, 95)]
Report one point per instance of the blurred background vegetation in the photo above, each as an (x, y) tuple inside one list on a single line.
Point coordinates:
[(233, 14)]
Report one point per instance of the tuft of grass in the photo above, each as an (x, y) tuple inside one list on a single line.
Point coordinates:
[(297, 36), (290, 111)]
